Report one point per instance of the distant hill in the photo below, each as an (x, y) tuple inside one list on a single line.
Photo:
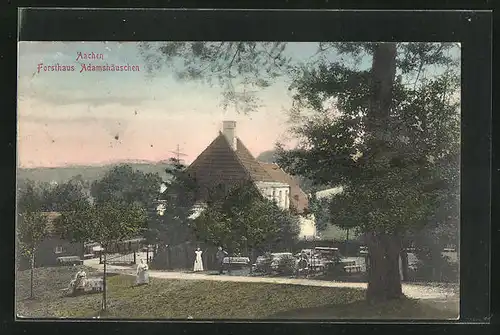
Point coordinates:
[(90, 173), (268, 156)]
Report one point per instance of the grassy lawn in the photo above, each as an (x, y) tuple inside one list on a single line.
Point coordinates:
[(170, 299), (403, 309)]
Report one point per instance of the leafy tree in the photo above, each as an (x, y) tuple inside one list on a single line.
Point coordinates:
[(243, 212), (392, 125), (103, 222), (29, 197), (178, 199), (31, 225), (124, 184), (231, 65), (52, 198), (31, 231), (393, 148), (320, 209), (60, 197)]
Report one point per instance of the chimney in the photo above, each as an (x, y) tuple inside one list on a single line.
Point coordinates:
[(229, 131)]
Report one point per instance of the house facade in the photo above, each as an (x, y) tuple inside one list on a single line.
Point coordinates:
[(227, 162), (53, 247)]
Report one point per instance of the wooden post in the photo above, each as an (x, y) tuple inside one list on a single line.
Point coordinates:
[(135, 258), (32, 273), (104, 284)]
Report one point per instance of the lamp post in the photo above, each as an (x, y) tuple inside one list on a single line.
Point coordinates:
[(244, 240), (104, 305)]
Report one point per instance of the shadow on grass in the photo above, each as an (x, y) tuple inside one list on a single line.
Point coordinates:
[(393, 310), (81, 294)]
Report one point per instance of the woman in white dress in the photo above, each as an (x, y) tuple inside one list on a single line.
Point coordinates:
[(142, 273), (198, 262)]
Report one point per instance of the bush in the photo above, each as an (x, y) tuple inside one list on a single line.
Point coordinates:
[(336, 269), (264, 266), (286, 265), (436, 268)]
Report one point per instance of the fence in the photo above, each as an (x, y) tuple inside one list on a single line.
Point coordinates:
[(346, 248), (126, 258), (182, 256)]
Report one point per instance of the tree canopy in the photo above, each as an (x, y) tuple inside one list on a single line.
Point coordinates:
[(124, 184), (388, 133), (417, 165), (32, 229), (177, 201), (242, 218), (103, 222)]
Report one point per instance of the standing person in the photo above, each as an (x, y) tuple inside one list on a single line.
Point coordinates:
[(302, 264), (142, 273), (198, 262), (220, 259)]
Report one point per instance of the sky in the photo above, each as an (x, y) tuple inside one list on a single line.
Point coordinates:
[(81, 118), (93, 118)]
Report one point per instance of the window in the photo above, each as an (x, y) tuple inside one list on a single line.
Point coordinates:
[(281, 199), (58, 249)]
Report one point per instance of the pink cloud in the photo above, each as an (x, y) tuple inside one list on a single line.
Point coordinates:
[(60, 135)]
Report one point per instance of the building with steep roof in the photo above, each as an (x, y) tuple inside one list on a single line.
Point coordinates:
[(299, 200), (227, 162)]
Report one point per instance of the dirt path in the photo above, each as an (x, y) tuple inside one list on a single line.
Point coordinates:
[(421, 292)]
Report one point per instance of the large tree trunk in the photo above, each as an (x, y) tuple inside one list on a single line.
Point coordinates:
[(384, 280), (383, 74), (382, 80)]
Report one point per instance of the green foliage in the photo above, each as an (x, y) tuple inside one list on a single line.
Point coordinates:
[(29, 197), (319, 207), (264, 264), (61, 197), (51, 198), (124, 184), (32, 228), (103, 222), (286, 265), (178, 199), (390, 186), (115, 211), (243, 212), (388, 135), (231, 65)]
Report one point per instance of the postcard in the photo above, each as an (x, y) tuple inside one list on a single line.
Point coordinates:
[(238, 180)]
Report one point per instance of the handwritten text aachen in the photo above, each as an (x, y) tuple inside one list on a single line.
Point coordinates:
[(88, 67)]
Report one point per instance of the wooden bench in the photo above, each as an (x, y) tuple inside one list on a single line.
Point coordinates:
[(352, 268), (86, 285), (69, 260)]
